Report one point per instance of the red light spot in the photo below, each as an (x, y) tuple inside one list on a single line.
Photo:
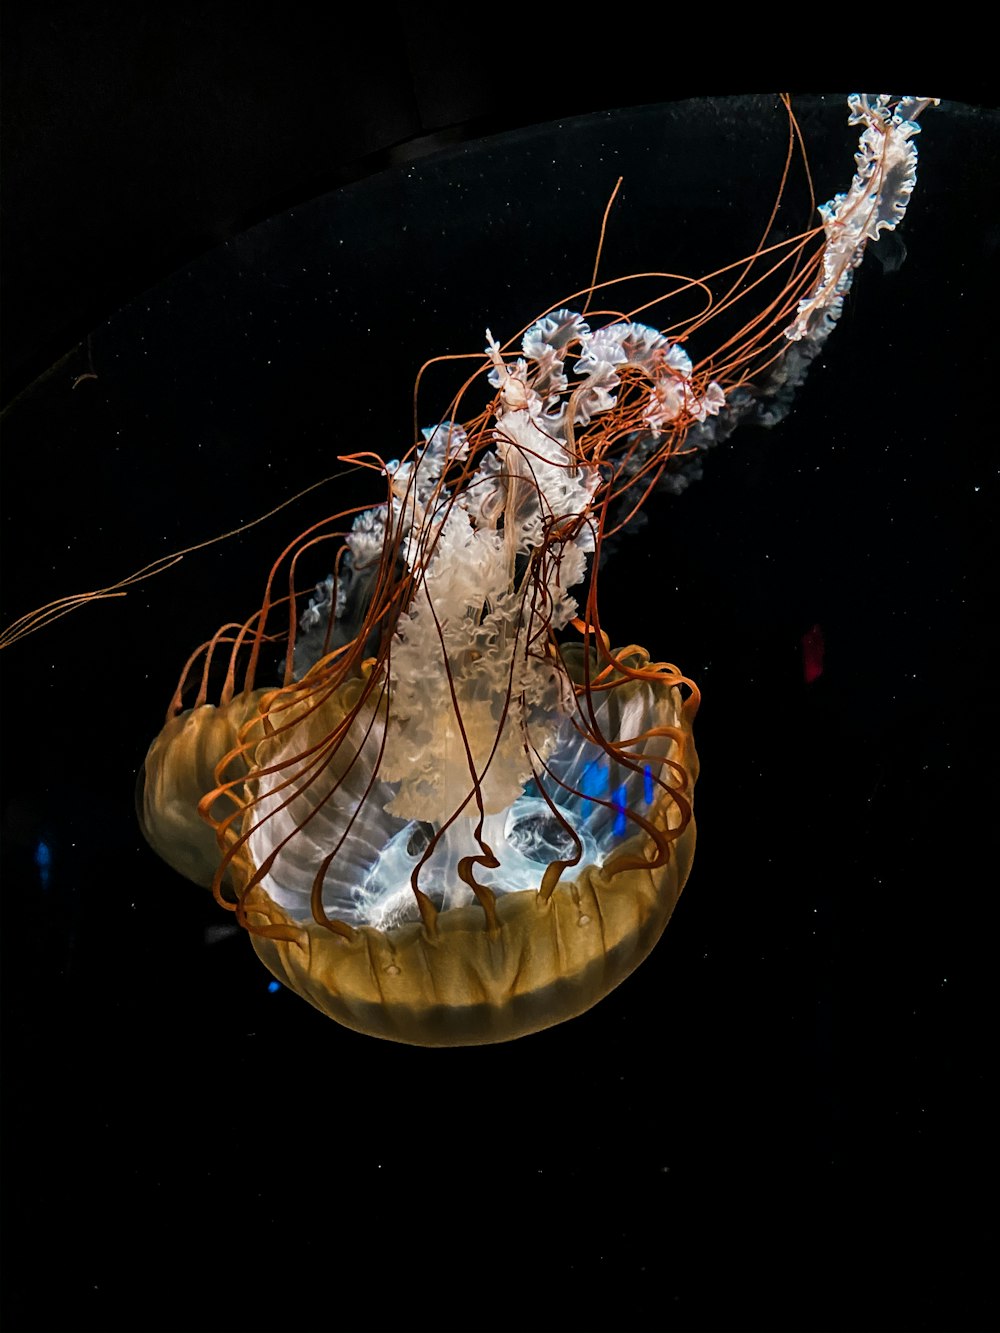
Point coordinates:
[(813, 648)]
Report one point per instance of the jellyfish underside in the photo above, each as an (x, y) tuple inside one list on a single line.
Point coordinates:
[(544, 957), (454, 822)]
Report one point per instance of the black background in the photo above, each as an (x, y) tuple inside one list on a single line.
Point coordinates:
[(780, 1120)]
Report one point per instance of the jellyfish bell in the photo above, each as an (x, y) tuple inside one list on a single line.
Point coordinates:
[(503, 921), (462, 816)]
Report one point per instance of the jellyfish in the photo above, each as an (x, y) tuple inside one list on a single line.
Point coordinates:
[(445, 806)]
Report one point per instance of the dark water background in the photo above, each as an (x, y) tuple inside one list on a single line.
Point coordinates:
[(780, 1121)]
